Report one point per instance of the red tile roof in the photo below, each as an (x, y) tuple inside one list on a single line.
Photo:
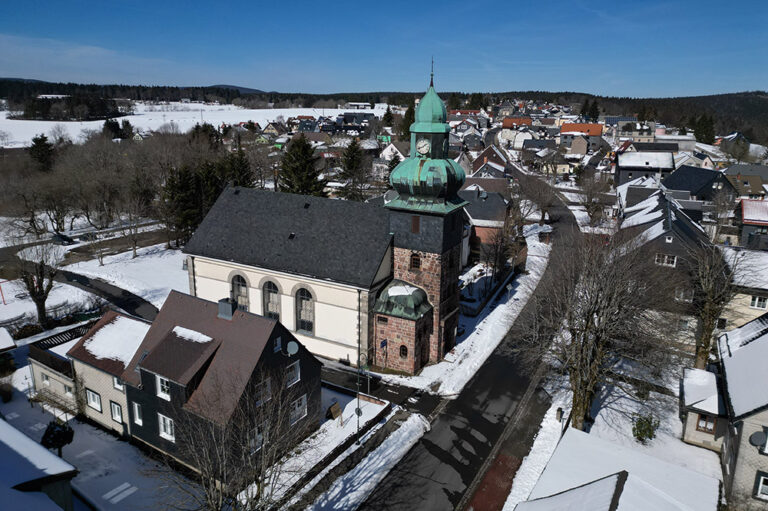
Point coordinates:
[(511, 122), (593, 130)]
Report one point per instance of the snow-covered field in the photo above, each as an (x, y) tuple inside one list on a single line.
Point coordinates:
[(152, 117), (485, 331), (351, 489), (152, 275), (613, 411), (62, 298)]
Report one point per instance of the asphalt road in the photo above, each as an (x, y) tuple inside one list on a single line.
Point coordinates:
[(449, 460)]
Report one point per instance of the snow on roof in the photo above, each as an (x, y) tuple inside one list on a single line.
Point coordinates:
[(22, 459), (647, 159), (646, 212), (6, 341), (750, 266), (754, 211), (117, 340), (743, 352), (643, 181), (62, 349), (190, 335), (700, 391), (581, 458)]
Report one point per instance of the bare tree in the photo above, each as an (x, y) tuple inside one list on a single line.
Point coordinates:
[(595, 313), (37, 266), (239, 462), (592, 190), (540, 192), (713, 279), (723, 205)]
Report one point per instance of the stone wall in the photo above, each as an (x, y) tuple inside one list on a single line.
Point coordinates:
[(414, 335)]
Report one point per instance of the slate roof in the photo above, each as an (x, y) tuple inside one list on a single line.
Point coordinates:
[(656, 146), (489, 184), (341, 241), (493, 154), (748, 169), (538, 144), (637, 194), (695, 180), (484, 205)]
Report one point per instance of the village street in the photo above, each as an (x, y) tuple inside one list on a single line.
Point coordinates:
[(500, 405)]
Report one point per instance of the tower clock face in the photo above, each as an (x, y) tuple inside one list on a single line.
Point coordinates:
[(422, 146)]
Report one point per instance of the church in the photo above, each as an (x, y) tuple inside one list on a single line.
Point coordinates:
[(357, 282)]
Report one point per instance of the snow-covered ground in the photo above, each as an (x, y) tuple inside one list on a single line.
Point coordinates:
[(351, 489), (613, 410), (152, 117), (152, 275), (582, 218), (63, 297), (484, 332)]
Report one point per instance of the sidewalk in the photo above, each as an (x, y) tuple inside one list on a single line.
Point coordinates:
[(113, 474)]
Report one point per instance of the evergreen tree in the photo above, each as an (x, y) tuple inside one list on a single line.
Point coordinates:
[(453, 101), (111, 129), (394, 162), (126, 130), (406, 121), (683, 131), (355, 172), (41, 151), (387, 119), (476, 101), (298, 172), (704, 129), (585, 108), (594, 111), (182, 197)]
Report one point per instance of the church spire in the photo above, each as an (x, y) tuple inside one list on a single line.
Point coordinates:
[(432, 74)]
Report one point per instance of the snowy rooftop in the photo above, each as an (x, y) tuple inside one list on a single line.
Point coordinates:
[(190, 335), (700, 391), (116, 340), (22, 459), (754, 211), (581, 458), (750, 266), (6, 341), (743, 352), (644, 212), (647, 159), (645, 182)]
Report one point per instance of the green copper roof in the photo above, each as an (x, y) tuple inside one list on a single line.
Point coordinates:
[(430, 111), (402, 300)]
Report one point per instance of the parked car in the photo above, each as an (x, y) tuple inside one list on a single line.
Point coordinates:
[(62, 239), (88, 236)]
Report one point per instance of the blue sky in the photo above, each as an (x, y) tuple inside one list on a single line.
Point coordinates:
[(649, 48)]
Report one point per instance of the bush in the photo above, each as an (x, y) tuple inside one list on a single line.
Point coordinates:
[(6, 392), (644, 427)]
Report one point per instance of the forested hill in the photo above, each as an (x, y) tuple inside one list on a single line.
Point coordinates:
[(746, 112)]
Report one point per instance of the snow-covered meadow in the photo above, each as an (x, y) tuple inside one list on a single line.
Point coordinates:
[(484, 332), (153, 116), (63, 298)]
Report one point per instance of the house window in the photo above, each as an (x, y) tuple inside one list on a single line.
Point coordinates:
[(166, 427), (668, 239), (666, 260), (278, 345), (305, 311), (762, 486), (705, 423), (382, 319), (415, 263), (263, 391), (721, 323), (298, 409), (292, 374), (271, 301), (93, 399), (415, 224), (256, 438), (67, 390), (239, 292), (758, 302), (683, 294), (403, 351), (138, 418), (117, 383), (163, 387), (46, 379), (117, 411), (682, 324)]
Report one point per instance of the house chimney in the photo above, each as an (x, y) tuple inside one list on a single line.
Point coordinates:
[(227, 307)]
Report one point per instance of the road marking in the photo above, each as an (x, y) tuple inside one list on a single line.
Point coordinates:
[(38, 426), (115, 491), (12, 415), (130, 491), (84, 453)]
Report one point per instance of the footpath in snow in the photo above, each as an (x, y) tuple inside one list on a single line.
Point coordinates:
[(484, 332), (152, 275)]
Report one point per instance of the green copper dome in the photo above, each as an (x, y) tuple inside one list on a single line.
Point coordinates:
[(402, 300), (428, 181)]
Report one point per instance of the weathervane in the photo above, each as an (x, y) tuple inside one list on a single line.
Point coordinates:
[(432, 73)]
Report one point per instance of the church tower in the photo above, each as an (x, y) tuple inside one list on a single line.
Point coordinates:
[(426, 220)]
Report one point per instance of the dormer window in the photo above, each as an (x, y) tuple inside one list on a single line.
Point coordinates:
[(163, 387)]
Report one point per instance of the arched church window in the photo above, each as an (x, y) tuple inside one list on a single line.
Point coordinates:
[(271, 301), (403, 351), (239, 292), (305, 311), (415, 261)]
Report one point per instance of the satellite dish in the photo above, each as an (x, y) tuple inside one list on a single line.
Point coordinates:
[(757, 439), (293, 348)]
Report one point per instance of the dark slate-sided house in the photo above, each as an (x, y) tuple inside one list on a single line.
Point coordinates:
[(656, 147), (700, 183), (201, 359), (538, 144), (485, 212)]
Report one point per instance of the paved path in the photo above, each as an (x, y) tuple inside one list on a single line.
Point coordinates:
[(443, 470)]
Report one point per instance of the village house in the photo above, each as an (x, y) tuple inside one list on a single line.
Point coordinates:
[(633, 164), (290, 257), (571, 131), (396, 148), (751, 218), (751, 281)]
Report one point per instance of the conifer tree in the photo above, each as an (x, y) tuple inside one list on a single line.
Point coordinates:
[(453, 101), (585, 108), (594, 111), (394, 162), (387, 119), (406, 121), (355, 172), (298, 172), (41, 151)]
